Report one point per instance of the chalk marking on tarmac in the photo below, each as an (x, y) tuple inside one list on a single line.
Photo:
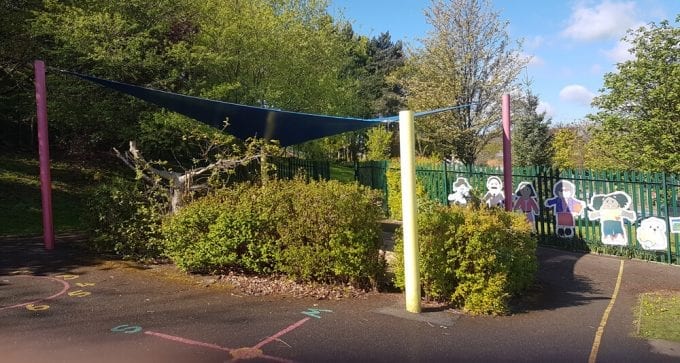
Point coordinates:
[(605, 317), (316, 313), (281, 333), (236, 354), (127, 329), (32, 303), (187, 341)]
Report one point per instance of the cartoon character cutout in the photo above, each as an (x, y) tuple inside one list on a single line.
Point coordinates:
[(565, 207), (612, 209), (494, 196), (461, 192), (526, 202), (652, 234)]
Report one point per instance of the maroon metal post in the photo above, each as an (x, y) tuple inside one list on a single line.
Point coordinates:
[(44, 151), (507, 154)]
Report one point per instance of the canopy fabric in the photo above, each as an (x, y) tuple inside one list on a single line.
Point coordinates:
[(289, 128)]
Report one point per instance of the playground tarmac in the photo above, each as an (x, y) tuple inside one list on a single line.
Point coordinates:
[(63, 306)]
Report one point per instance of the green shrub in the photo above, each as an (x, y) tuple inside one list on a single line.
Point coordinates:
[(315, 231), (394, 192), (124, 217), (220, 231), (475, 259)]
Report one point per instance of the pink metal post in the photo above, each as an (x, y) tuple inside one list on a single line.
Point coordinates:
[(44, 150), (507, 154)]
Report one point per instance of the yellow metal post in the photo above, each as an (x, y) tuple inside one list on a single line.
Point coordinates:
[(409, 211)]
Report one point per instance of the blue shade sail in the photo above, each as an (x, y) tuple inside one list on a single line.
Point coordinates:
[(289, 128)]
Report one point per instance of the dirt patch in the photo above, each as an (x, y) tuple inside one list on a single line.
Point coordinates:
[(241, 284)]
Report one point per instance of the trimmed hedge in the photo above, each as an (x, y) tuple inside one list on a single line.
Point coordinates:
[(475, 259), (322, 231)]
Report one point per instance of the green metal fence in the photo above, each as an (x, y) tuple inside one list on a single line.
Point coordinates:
[(652, 195), (284, 168), (288, 168)]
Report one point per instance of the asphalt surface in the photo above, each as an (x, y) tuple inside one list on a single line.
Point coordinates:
[(66, 306)]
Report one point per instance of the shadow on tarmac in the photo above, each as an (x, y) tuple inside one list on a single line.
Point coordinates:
[(556, 284), (27, 255)]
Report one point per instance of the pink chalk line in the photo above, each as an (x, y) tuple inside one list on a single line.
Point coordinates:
[(66, 287), (187, 341), (281, 333), (228, 350)]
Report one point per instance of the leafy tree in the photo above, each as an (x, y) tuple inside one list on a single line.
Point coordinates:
[(379, 143), (285, 54), (467, 59), (531, 137), (639, 108), (128, 41), (17, 97), (372, 63), (568, 144)]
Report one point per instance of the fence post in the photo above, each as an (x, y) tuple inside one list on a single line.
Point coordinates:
[(356, 170), (385, 186), (667, 200), (446, 185)]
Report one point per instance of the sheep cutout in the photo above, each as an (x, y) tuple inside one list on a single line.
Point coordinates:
[(525, 202), (494, 196), (612, 209), (652, 234), (461, 192), (565, 207)]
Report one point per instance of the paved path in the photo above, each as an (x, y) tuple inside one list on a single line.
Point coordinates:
[(56, 307)]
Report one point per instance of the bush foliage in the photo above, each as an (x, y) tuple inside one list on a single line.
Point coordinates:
[(312, 231), (393, 176), (475, 259), (124, 217)]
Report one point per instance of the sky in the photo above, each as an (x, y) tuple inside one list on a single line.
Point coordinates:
[(572, 43)]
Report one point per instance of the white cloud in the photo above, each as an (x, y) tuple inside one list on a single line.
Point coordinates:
[(533, 60), (547, 108), (620, 53), (536, 61), (534, 42), (606, 20), (576, 93)]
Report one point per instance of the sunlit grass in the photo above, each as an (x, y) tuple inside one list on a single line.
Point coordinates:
[(342, 173), (658, 315)]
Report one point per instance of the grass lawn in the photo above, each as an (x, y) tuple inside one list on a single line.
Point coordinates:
[(658, 316), (342, 173), (20, 200)]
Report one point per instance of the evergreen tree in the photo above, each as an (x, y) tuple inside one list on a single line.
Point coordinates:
[(385, 57), (531, 140)]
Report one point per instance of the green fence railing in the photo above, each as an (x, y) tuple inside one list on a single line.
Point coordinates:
[(652, 195), (284, 168)]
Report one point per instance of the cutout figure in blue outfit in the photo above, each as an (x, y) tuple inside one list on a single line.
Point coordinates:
[(565, 207), (612, 209)]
